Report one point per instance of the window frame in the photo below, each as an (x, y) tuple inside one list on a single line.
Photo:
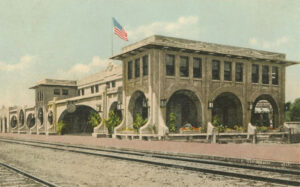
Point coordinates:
[(216, 71), (265, 79), (56, 91), (240, 64), (129, 70), (170, 71), (184, 66), (252, 74), (137, 68), (230, 71), (145, 63)]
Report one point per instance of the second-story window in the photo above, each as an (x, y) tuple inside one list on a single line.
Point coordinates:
[(137, 68), (255, 73), (216, 70), (145, 65), (107, 84), (82, 91), (113, 84), (265, 74), (78, 92), (239, 72), (56, 91), (197, 68), (129, 70), (227, 71), (97, 88), (92, 89), (65, 92), (275, 75), (184, 66), (170, 65)]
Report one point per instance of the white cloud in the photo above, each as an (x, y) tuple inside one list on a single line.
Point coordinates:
[(278, 42), (23, 63), (79, 70), (183, 27)]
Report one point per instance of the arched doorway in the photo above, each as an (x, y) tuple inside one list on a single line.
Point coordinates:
[(114, 107), (41, 116), (30, 121), (1, 124), (138, 104), (228, 108), (21, 118), (187, 108), (5, 124), (13, 121), (77, 121), (265, 112)]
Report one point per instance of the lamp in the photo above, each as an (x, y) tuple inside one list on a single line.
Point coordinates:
[(145, 102), (163, 103), (119, 106), (210, 105), (99, 107), (250, 105)]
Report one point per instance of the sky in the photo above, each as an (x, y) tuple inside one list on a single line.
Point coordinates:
[(71, 39)]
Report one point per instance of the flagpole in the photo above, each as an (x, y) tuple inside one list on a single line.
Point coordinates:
[(112, 39)]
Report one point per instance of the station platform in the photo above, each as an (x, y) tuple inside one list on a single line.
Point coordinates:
[(287, 155)]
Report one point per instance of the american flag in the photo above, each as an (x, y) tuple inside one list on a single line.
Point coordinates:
[(119, 30)]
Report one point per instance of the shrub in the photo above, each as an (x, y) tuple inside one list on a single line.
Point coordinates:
[(112, 121), (94, 119), (217, 123), (262, 129), (61, 126), (139, 121), (172, 122)]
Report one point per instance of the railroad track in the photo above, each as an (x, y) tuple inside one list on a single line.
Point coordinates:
[(273, 175), (11, 176)]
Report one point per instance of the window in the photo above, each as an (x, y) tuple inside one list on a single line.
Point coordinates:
[(82, 91), (78, 92), (184, 66), (227, 71), (65, 92), (145, 65), (216, 70), (56, 92), (239, 72), (129, 70), (265, 74), (275, 75), (197, 67), (97, 88), (137, 68), (107, 84), (92, 89), (255, 73), (170, 65), (113, 84)]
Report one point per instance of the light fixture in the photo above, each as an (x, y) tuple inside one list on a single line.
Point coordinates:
[(145, 102), (119, 106), (210, 105), (163, 103), (99, 107), (250, 105)]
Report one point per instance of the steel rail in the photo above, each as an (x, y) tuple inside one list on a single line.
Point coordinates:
[(34, 178), (63, 147)]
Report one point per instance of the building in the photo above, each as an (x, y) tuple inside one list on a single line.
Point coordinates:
[(161, 75), (197, 81)]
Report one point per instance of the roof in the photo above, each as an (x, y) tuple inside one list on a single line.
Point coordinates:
[(112, 72), (158, 41), (55, 82)]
